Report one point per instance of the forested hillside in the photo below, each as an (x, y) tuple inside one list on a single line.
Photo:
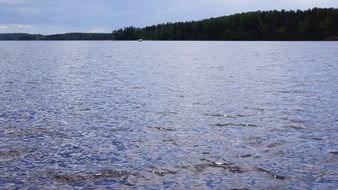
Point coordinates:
[(315, 24)]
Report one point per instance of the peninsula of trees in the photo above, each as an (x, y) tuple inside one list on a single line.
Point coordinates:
[(312, 24)]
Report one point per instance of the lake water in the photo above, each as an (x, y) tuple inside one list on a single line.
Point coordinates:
[(169, 115)]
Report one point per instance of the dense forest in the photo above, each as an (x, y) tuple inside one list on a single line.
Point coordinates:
[(312, 24)]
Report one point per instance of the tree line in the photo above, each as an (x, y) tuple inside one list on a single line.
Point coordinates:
[(67, 36), (312, 24)]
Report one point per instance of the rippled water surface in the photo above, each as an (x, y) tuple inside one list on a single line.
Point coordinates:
[(169, 115)]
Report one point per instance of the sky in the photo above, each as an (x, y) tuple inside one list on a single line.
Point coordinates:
[(61, 16)]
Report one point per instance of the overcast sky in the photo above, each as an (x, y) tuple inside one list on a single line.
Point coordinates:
[(59, 16)]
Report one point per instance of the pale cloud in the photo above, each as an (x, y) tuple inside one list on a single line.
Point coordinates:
[(23, 11), (98, 30), (3, 27), (6, 28), (14, 2), (34, 29)]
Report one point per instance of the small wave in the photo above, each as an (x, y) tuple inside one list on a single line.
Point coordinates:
[(77, 177), (162, 128), (271, 173), (234, 125), (231, 167)]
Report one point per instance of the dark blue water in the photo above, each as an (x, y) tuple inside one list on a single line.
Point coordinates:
[(168, 115)]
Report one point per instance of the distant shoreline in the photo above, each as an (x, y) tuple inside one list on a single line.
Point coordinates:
[(317, 24)]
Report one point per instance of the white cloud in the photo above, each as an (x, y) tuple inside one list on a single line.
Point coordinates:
[(7, 28), (34, 29)]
